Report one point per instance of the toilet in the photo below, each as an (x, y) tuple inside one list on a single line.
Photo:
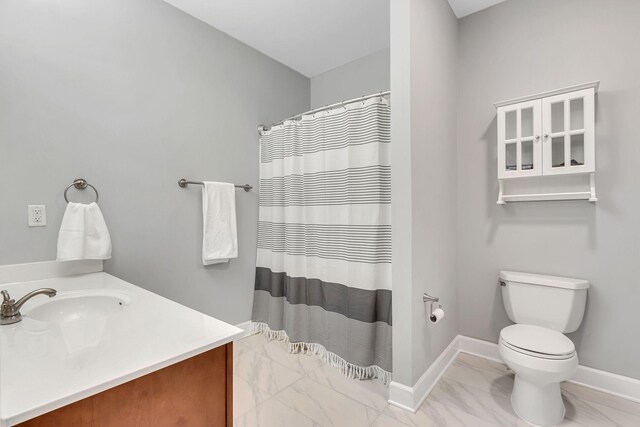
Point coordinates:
[(543, 309)]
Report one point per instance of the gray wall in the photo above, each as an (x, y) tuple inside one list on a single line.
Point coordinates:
[(423, 81), (434, 42), (363, 76), (133, 95), (401, 192), (521, 47)]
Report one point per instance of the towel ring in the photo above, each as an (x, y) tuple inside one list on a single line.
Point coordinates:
[(80, 184)]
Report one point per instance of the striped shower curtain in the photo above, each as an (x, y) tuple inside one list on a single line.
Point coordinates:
[(323, 276)]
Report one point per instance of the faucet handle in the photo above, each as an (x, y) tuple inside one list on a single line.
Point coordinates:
[(5, 296)]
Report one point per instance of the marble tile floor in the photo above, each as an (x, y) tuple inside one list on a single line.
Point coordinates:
[(273, 388)]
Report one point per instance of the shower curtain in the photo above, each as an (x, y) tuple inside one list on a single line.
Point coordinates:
[(323, 276)]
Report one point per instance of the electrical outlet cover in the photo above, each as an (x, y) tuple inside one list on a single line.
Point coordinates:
[(37, 215)]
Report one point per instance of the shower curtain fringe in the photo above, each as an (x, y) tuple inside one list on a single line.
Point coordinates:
[(347, 369)]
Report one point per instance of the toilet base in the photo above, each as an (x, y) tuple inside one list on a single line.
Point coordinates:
[(538, 404)]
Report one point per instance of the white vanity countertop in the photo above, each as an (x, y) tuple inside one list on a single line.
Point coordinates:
[(44, 366)]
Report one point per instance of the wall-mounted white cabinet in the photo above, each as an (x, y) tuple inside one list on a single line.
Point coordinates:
[(547, 135)]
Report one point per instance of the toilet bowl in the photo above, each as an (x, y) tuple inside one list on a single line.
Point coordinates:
[(541, 358)]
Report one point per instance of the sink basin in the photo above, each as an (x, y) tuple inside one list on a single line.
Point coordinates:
[(81, 305)]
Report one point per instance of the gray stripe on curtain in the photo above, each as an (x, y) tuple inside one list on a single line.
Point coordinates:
[(348, 338), (357, 304), (357, 185), (347, 242)]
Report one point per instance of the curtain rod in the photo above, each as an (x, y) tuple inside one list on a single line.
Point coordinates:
[(262, 128)]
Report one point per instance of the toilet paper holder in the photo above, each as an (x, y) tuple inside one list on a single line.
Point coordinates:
[(431, 300)]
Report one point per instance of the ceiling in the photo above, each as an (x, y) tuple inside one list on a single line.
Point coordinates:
[(310, 36), (463, 8)]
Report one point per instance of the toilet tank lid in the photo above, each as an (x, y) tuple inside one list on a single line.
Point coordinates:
[(544, 280)]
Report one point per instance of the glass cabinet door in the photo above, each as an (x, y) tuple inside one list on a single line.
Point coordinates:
[(519, 148), (568, 133)]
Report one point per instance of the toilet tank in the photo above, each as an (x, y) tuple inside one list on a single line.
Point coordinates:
[(549, 301)]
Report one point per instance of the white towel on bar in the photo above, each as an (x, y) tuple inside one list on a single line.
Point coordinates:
[(219, 234), (83, 233)]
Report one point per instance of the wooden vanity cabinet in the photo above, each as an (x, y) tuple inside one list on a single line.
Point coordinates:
[(197, 392)]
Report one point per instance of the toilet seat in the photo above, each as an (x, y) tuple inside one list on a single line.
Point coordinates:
[(537, 342)]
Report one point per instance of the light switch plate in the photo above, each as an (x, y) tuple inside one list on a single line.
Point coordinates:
[(37, 215)]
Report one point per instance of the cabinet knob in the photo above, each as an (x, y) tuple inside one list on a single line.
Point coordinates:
[(537, 137), (546, 135)]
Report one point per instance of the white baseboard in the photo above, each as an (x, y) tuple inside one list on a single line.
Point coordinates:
[(618, 385), (47, 270), (480, 348), (246, 327), (410, 398), (402, 396)]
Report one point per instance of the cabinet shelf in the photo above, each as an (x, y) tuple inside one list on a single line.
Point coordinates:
[(578, 195), (589, 195)]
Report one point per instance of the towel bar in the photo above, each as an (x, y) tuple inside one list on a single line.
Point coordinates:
[(183, 183)]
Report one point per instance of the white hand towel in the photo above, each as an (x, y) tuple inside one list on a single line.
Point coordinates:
[(220, 237), (83, 233)]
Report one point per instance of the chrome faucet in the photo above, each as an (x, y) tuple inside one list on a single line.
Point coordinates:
[(10, 309)]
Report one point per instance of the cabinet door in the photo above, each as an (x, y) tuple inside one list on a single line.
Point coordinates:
[(568, 127), (519, 148)]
